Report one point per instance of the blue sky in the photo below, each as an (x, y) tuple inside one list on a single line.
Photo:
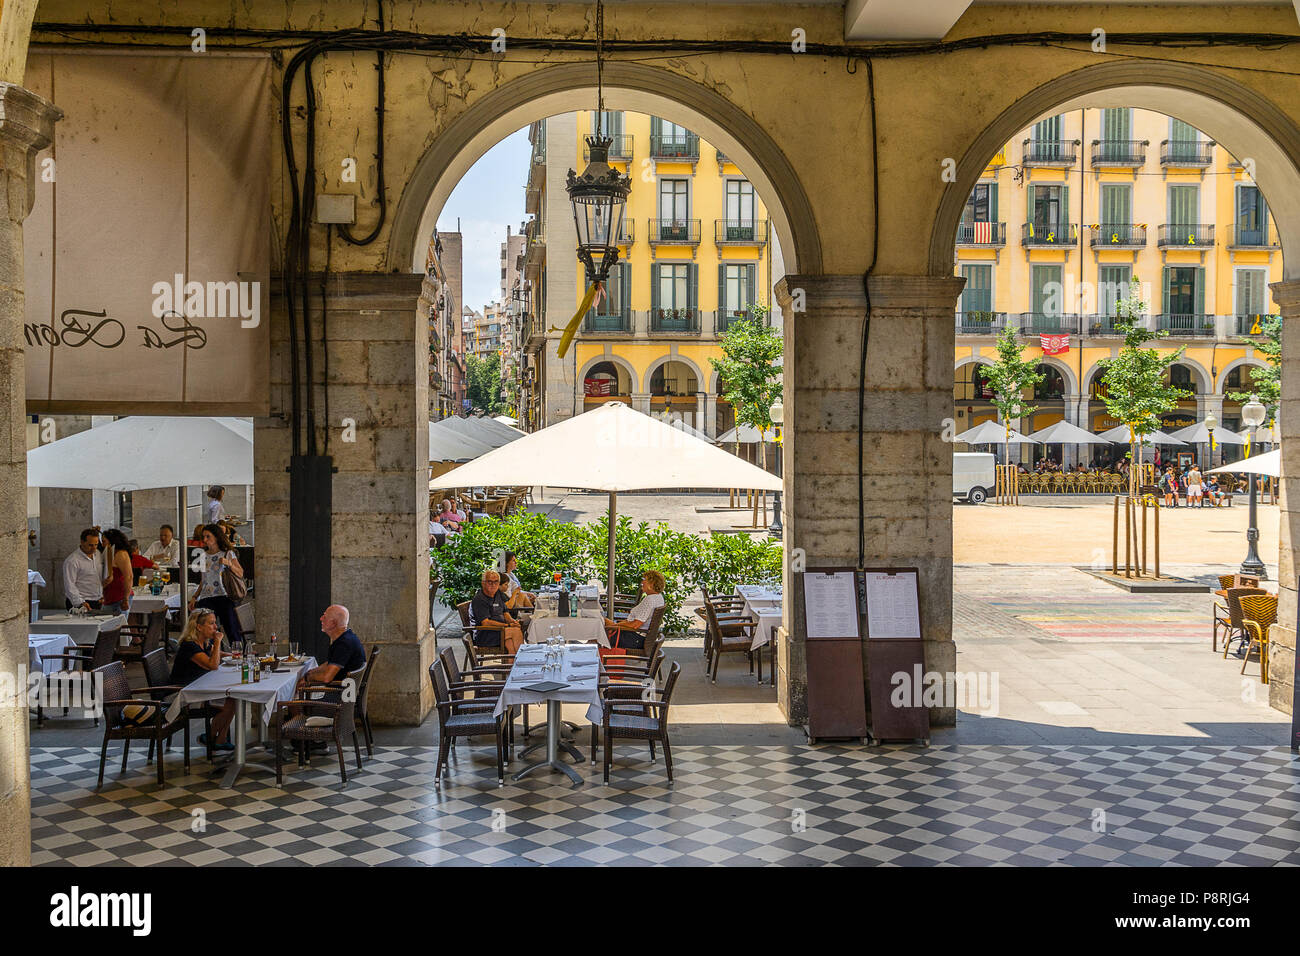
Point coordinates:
[(489, 198)]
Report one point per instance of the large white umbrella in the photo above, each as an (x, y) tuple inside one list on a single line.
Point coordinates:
[(1119, 436), (992, 433), (1269, 463), (1198, 434), (505, 420), (484, 429), (1065, 433), (746, 435), (448, 445), (681, 426), (611, 448)]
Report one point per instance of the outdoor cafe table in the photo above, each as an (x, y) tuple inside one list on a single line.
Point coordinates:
[(82, 628), (47, 645), (578, 630), (224, 682), (579, 674), (142, 602)]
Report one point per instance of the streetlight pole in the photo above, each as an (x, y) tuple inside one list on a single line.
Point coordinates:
[(1252, 413), (775, 529)]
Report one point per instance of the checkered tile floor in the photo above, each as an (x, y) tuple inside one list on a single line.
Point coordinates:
[(743, 805)]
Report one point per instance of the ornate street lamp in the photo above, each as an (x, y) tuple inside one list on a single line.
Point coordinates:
[(1211, 423), (1252, 413), (778, 417)]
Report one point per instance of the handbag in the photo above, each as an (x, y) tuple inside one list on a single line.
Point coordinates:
[(234, 585)]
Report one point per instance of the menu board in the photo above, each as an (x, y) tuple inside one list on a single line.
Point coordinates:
[(830, 604), (893, 608)]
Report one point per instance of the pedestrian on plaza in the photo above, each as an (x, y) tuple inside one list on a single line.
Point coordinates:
[(216, 510), (1167, 488), (117, 572), (83, 574), (1195, 491), (217, 559)]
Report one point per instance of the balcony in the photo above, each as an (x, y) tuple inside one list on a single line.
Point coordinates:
[(982, 234), (1103, 325), (1253, 324), (1119, 153), (620, 148), (1043, 323), (724, 319), (603, 323), (435, 340), (981, 323), (1186, 325), (1185, 236), (1178, 153), (675, 147), (435, 379), (1048, 234), (739, 232), (1050, 152), (674, 232), (1110, 235), (1255, 237), (679, 321)]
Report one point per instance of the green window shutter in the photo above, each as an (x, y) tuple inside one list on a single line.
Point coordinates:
[(692, 285), (625, 288), (722, 290), (654, 287), (1200, 290), (751, 281), (993, 202), (656, 126), (1164, 300), (1065, 210)]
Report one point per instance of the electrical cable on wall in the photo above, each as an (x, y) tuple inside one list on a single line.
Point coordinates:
[(866, 319)]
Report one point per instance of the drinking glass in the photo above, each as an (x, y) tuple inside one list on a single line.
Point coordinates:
[(293, 649)]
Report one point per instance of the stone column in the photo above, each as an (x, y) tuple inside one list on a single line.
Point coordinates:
[(1282, 635), (641, 402), (908, 465), (26, 127), (699, 410), (710, 426), (378, 379)]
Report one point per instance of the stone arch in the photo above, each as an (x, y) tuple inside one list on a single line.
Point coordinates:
[(664, 360), (1067, 373), (1205, 381), (628, 86), (1243, 121), (1254, 361), (613, 359)]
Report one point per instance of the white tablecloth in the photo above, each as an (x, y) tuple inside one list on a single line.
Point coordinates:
[(39, 645), (224, 682), (757, 595), (577, 629), (142, 602), (34, 577), (580, 671), (82, 629), (768, 620)]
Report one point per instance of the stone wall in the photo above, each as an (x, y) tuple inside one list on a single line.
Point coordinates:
[(1282, 636)]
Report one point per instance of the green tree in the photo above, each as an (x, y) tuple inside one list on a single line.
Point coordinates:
[(1009, 377), (750, 371), (1266, 382), (483, 383), (1136, 381)]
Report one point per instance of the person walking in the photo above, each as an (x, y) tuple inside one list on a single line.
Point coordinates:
[(1195, 489), (217, 559)]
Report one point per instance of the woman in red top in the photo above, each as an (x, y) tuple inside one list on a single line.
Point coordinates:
[(138, 560), (117, 571)]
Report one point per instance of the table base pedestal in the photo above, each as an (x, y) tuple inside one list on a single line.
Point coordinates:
[(553, 746)]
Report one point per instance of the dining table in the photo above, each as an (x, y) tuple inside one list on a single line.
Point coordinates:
[(577, 630), (143, 602), (574, 679), (224, 682), (763, 607), (40, 646), (82, 628)]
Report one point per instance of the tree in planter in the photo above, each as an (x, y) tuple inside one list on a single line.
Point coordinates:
[(1008, 378), (1136, 380), (483, 383), (750, 371), (1266, 382)]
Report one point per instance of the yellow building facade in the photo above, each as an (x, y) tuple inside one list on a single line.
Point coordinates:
[(1070, 211)]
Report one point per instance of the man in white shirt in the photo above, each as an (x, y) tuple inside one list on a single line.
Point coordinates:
[(83, 573), (166, 551)]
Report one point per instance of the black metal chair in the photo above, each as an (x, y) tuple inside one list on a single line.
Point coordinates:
[(128, 718), (459, 716), (637, 713)]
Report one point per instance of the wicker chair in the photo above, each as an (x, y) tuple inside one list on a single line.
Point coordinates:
[(638, 713), (327, 715), (484, 682), (146, 637), (1228, 617), (83, 659), (363, 703), (463, 717), (733, 637), (1259, 612), (128, 718)]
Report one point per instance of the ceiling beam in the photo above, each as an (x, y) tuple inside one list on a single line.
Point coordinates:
[(904, 19)]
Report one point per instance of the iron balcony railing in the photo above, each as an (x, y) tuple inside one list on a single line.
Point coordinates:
[(684, 231), (1039, 323), (620, 148), (674, 146), (619, 321), (1117, 236), (740, 231), (1050, 152), (1048, 234), (1185, 324), (982, 234), (1253, 324), (1183, 153), (675, 320), (1098, 324), (1254, 237), (726, 318), (1187, 235), (981, 323), (1119, 152)]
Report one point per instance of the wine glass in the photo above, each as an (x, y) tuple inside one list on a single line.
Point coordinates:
[(293, 650)]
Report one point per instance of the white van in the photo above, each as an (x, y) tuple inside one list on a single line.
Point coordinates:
[(972, 475)]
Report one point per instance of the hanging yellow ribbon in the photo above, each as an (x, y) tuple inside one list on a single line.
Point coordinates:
[(572, 328)]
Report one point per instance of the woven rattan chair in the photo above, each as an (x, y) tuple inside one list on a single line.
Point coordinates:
[(363, 703), (1232, 620), (1259, 612), (326, 715), (83, 659), (460, 716), (146, 636), (128, 718), (637, 713), (734, 637)]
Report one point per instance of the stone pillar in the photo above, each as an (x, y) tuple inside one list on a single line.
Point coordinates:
[(378, 378), (26, 127), (1282, 635), (710, 426), (641, 402), (1204, 404), (699, 411), (908, 468)]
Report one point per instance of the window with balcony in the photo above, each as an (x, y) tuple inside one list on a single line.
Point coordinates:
[(740, 210), (1117, 146), (737, 285), (977, 299), (613, 314), (1183, 297), (673, 291), (1047, 145), (1251, 300), (1046, 294), (1049, 215), (979, 220), (1112, 288), (1251, 217), (1184, 142), (674, 209), (670, 141)]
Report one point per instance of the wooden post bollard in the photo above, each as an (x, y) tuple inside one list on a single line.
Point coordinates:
[(1144, 534), (1157, 555), (1128, 536), (1114, 549)]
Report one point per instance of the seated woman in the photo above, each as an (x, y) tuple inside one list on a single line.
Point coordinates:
[(516, 596), (196, 539), (449, 517), (199, 651), (631, 632), (138, 560), (487, 610)]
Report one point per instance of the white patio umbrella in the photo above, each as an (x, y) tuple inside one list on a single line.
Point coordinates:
[(484, 429), (139, 452), (448, 445), (681, 426), (1269, 463), (1065, 433), (611, 448), (505, 420), (1198, 434), (992, 433), (1119, 436), (746, 435)]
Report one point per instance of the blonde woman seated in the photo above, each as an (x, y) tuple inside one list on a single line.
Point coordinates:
[(631, 632), (199, 651), (487, 611), (516, 596)]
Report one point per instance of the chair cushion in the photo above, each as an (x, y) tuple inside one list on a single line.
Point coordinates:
[(319, 721), (463, 725), (631, 725)]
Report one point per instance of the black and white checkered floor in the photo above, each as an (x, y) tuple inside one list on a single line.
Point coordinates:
[(746, 805)]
